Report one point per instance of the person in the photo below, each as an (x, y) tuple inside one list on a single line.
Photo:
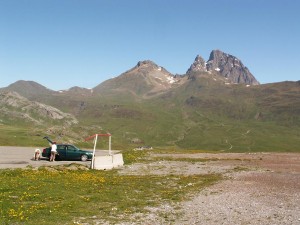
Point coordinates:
[(37, 154), (53, 152)]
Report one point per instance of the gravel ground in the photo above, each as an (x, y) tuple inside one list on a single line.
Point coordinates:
[(257, 189)]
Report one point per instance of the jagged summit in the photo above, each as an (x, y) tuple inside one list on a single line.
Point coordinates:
[(199, 65), (230, 67), (226, 65)]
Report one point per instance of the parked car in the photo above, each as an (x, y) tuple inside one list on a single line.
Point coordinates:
[(68, 152)]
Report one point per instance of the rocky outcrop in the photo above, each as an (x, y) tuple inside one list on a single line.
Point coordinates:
[(199, 65), (19, 107), (226, 65), (230, 67)]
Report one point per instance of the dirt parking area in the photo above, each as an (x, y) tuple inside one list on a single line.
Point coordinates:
[(21, 157)]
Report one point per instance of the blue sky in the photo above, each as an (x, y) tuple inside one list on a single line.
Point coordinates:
[(66, 43)]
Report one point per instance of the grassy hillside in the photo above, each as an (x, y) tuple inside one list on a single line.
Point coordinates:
[(202, 113)]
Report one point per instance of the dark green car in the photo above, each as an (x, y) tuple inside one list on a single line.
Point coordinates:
[(68, 152)]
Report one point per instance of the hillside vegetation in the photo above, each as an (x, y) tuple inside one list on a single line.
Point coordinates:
[(201, 113)]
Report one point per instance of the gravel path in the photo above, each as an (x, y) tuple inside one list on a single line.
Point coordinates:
[(247, 198)]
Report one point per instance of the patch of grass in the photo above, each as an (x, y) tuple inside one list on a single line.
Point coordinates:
[(16, 136), (65, 196), (132, 156)]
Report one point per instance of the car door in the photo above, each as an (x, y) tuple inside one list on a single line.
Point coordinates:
[(72, 153), (61, 150)]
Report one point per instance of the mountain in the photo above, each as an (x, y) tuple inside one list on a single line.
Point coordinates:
[(28, 89), (235, 117), (206, 108), (226, 65), (78, 90), (230, 67), (199, 65), (145, 79)]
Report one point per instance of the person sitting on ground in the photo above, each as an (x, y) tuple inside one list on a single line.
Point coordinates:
[(37, 154)]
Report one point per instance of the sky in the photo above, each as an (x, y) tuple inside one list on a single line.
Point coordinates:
[(64, 43)]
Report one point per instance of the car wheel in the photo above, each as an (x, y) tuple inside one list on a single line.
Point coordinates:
[(84, 158)]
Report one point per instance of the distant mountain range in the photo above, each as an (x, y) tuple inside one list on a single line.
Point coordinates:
[(217, 105)]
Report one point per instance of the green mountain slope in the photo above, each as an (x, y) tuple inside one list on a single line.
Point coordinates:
[(236, 117), (202, 111)]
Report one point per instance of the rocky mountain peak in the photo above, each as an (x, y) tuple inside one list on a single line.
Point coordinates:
[(145, 79), (199, 65), (226, 65), (230, 67), (146, 63), (145, 67)]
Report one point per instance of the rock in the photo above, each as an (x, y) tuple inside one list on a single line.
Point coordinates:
[(199, 65), (146, 63), (224, 64), (230, 67), (17, 106)]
